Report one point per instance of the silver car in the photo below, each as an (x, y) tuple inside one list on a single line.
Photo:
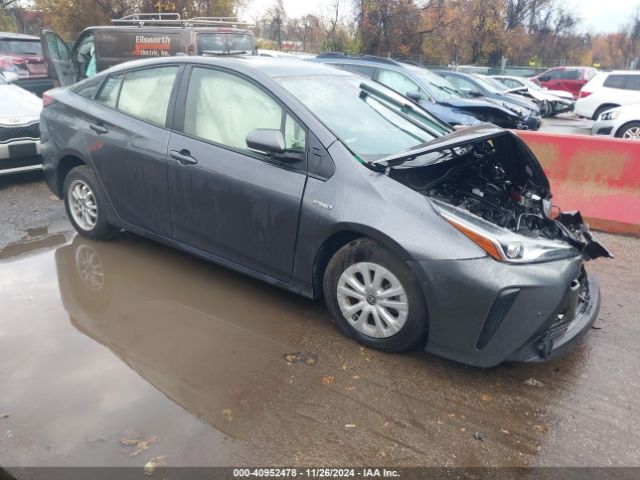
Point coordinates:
[(19, 127), (621, 122)]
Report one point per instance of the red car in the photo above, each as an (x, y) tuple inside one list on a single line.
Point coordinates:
[(22, 55), (569, 79)]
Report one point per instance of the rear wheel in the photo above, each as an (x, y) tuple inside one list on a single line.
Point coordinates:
[(630, 131), (86, 204), (375, 298), (546, 109)]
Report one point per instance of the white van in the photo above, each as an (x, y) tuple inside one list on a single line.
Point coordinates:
[(606, 91)]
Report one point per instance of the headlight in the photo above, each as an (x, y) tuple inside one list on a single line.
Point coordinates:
[(506, 246), (609, 116)]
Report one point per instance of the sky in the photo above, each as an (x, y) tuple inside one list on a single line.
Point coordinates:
[(597, 15)]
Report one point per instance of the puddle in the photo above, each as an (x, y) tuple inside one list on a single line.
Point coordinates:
[(127, 346)]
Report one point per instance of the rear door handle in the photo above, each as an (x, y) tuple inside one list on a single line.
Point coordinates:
[(183, 157), (99, 129)]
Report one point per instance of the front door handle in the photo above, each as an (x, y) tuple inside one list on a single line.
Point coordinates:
[(183, 157), (99, 129)]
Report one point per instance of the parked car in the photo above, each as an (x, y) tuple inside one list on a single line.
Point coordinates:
[(621, 122), (608, 90), (569, 79), (142, 35), (475, 85), (19, 127), (22, 55), (324, 183), (430, 91), (550, 102)]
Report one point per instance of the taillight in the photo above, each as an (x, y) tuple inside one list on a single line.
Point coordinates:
[(47, 100), (584, 94)]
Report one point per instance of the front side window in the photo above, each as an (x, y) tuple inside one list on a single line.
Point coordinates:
[(366, 123), (571, 75), (145, 93), (224, 109), (633, 82)]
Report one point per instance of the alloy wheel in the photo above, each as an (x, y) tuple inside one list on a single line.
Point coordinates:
[(82, 203), (632, 133)]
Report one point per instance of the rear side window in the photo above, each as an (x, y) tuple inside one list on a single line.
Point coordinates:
[(615, 81), (224, 109), (110, 90), (145, 93)]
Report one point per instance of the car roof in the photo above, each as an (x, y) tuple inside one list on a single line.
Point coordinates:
[(624, 72), (17, 36), (272, 67)]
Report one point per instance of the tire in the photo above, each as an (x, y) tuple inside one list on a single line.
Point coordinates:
[(384, 327), (630, 131), (601, 109), (546, 109), (86, 204)]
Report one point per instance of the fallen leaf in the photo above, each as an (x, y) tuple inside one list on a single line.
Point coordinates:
[(308, 358), (154, 463), (541, 428), (328, 379), (504, 430), (350, 425), (485, 397), (139, 442), (532, 382)]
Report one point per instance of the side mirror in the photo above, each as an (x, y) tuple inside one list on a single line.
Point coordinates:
[(10, 77), (474, 92), (266, 140)]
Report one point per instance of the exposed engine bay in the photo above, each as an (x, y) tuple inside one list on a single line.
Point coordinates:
[(500, 181)]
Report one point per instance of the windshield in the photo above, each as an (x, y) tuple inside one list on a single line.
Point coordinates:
[(21, 47), (367, 124), (501, 87), (438, 87), (210, 44)]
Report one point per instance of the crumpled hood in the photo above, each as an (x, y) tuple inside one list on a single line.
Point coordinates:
[(18, 106)]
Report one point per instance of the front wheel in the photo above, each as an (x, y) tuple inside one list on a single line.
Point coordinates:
[(630, 131), (86, 204), (375, 298), (546, 109)]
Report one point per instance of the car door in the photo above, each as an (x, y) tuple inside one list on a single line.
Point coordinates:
[(127, 141), (57, 54), (226, 199)]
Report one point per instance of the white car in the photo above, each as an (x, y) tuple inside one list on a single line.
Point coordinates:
[(551, 102), (621, 122), (606, 91), (19, 127)]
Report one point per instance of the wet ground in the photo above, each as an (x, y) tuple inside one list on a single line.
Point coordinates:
[(567, 124), (114, 353)]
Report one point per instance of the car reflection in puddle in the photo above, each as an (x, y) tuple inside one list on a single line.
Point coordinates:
[(211, 340)]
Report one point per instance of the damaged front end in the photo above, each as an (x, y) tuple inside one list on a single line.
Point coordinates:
[(488, 184)]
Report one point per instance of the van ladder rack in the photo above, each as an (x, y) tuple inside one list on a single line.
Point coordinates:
[(174, 19)]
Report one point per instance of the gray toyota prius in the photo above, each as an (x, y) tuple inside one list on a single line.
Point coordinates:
[(318, 181)]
